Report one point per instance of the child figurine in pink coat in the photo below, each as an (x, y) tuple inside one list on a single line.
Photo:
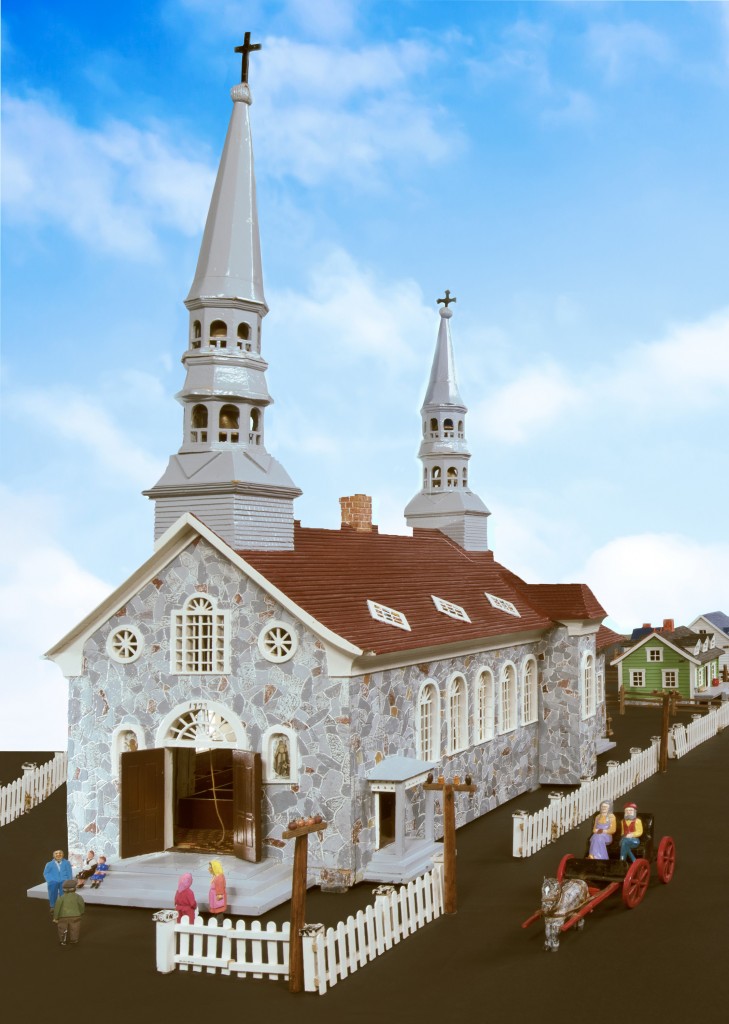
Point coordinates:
[(185, 902), (217, 896)]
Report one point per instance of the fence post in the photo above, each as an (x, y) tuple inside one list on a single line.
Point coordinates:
[(555, 817), (312, 967), (165, 939), (519, 819), (29, 770), (383, 914)]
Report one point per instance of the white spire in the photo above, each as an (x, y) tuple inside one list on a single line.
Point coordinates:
[(445, 501), (229, 265), (222, 472)]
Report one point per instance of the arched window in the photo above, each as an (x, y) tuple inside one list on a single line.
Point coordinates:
[(228, 423), (244, 331), (200, 641), (452, 476), (529, 689), (427, 725), (507, 699), (435, 478), (484, 706), (433, 427), (425, 477), (588, 685), (199, 423), (218, 334), (464, 474), (457, 714), (448, 428), (196, 334), (460, 428)]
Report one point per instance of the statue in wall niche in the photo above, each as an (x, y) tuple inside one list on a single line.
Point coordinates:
[(281, 758), (129, 741)]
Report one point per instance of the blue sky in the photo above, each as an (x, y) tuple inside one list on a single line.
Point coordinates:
[(562, 168)]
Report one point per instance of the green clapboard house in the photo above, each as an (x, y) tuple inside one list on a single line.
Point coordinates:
[(668, 659)]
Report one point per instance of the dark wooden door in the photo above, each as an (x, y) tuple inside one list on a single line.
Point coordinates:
[(247, 792), (387, 802), (142, 802)]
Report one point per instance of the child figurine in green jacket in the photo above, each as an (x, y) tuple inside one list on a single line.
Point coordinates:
[(67, 914)]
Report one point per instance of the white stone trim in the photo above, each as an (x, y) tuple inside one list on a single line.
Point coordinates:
[(283, 630), (116, 744), (212, 708), (134, 638)]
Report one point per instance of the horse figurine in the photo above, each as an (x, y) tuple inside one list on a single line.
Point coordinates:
[(558, 900)]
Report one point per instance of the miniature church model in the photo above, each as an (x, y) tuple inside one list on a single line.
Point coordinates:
[(253, 671)]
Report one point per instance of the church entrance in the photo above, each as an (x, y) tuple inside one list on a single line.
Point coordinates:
[(203, 799)]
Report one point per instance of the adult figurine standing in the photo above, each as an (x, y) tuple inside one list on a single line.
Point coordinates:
[(631, 829), (56, 872), (67, 914)]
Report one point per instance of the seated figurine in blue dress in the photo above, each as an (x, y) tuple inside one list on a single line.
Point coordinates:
[(603, 831), (100, 874)]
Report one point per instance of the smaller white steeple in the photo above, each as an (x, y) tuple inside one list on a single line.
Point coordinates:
[(445, 501)]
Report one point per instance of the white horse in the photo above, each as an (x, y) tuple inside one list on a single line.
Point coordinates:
[(558, 900)]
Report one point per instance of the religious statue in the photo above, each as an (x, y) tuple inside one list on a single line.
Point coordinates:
[(281, 759)]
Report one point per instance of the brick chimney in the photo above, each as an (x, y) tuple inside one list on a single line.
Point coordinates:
[(647, 625), (668, 625), (357, 512)]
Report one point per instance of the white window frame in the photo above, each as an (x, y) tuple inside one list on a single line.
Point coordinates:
[(390, 616), (187, 642), (634, 674), (508, 719), (587, 685), (448, 608), (664, 682), (650, 651), (483, 706), (600, 676), (530, 691), (457, 713), (284, 638), (428, 746), (124, 637), (502, 604)]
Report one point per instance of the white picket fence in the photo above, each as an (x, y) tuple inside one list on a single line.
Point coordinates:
[(683, 738), (250, 950), (34, 785), (240, 948), (534, 831), (331, 954)]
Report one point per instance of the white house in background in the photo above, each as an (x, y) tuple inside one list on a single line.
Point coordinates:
[(718, 624)]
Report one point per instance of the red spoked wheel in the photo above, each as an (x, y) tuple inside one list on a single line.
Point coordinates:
[(562, 866), (636, 882), (666, 859)]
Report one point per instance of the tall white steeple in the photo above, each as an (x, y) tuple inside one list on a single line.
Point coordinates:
[(445, 501), (222, 472)]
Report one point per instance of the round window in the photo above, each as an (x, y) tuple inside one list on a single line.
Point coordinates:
[(124, 645), (277, 642)]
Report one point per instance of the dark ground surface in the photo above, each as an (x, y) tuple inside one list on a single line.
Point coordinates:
[(670, 952)]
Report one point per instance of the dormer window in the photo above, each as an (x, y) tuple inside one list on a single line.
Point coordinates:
[(448, 608), (199, 424), (228, 424), (388, 615), (503, 605)]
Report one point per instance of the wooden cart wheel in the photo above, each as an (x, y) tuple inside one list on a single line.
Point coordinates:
[(562, 865), (636, 882), (666, 860)]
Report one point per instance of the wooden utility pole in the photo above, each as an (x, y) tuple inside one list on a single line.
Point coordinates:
[(298, 900), (449, 834)]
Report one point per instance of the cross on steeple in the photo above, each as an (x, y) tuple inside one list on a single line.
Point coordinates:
[(447, 299), (246, 49)]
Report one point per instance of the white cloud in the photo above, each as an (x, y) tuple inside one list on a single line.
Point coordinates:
[(621, 47), (651, 576), (539, 396), (114, 188), (77, 418), (325, 19), (43, 594)]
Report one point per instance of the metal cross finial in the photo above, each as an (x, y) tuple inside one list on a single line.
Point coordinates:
[(245, 50), (447, 299)]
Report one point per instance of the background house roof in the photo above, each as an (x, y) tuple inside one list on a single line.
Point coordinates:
[(333, 573), (718, 619)]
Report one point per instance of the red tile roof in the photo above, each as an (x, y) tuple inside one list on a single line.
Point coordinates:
[(607, 637), (332, 573)]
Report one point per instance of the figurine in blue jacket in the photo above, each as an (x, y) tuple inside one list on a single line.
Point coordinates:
[(56, 872)]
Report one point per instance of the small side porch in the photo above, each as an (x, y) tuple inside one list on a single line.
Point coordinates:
[(399, 859)]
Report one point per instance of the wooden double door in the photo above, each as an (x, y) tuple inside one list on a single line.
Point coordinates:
[(144, 792)]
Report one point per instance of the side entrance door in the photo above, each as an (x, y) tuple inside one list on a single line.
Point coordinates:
[(247, 792), (142, 802)]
